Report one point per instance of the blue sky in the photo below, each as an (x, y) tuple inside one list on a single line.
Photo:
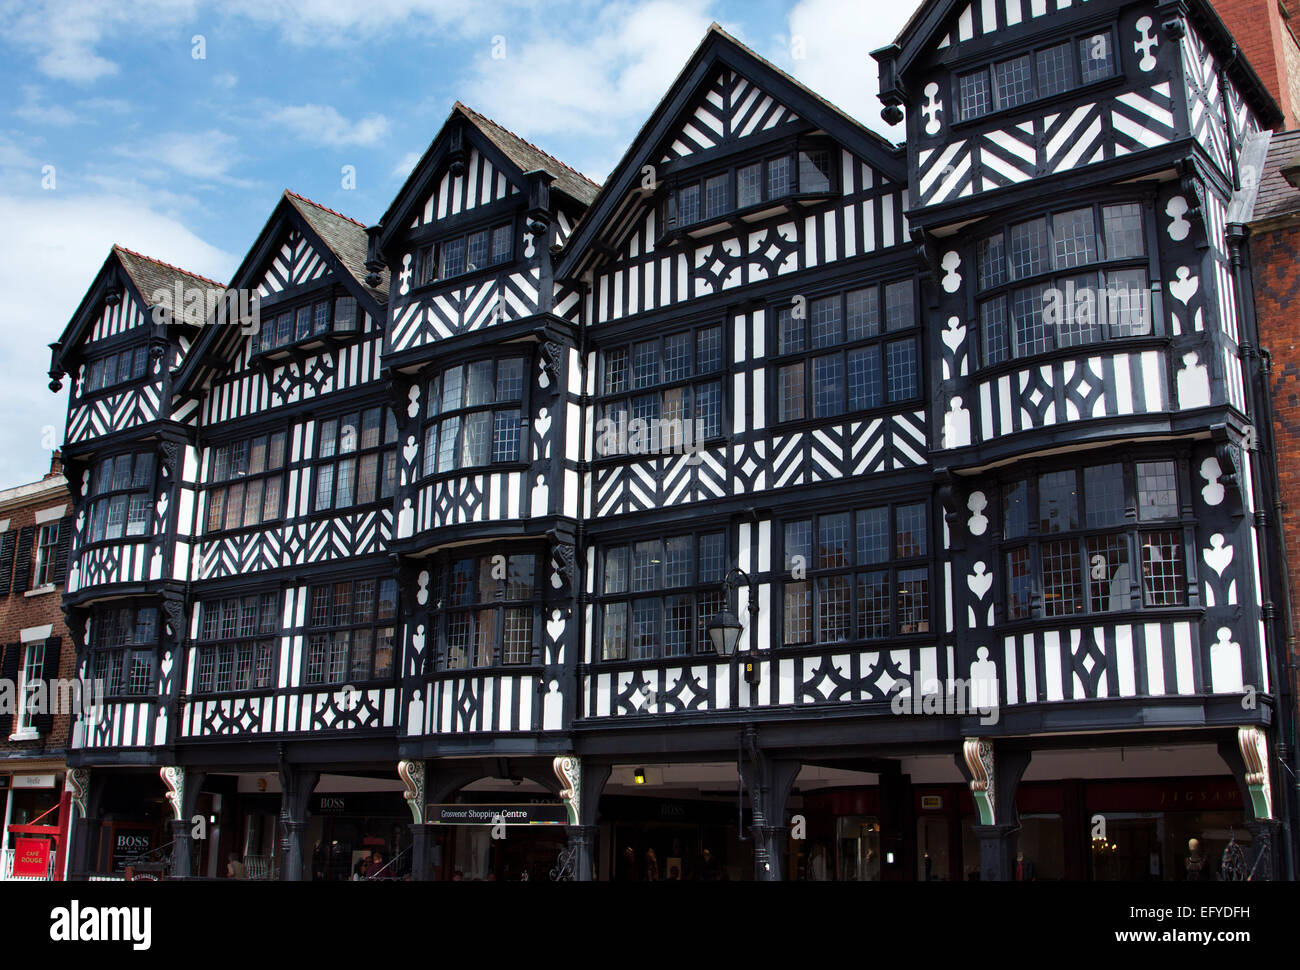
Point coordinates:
[(182, 157)]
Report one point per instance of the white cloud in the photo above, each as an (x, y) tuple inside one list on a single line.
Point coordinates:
[(321, 124), (405, 164), (590, 82), (226, 79), (44, 272), (837, 38), (205, 155), (65, 34), (35, 110)]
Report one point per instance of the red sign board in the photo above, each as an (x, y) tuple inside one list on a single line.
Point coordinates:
[(31, 857)]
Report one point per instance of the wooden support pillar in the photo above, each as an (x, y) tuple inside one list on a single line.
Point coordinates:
[(296, 786), (423, 839), (580, 790), (1248, 758), (183, 786), (993, 784), (768, 781), (86, 823), (897, 826)]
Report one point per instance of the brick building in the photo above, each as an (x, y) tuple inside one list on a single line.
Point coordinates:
[(1265, 32), (34, 533)]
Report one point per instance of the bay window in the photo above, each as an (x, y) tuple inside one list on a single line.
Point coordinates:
[(125, 648), (282, 326), (121, 503), (1097, 538), (462, 254), (478, 415), (492, 611), (116, 368), (1067, 279)]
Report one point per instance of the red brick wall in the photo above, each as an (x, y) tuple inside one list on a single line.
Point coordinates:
[(1275, 262), (19, 611), (1261, 31)]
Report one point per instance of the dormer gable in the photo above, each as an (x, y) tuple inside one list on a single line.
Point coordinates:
[(724, 147), (308, 271)]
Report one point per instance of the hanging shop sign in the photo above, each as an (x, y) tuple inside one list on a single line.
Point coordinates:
[(540, 813), (32, 857)]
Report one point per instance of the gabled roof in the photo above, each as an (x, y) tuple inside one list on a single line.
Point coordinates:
[(717, 49), (930, 19), (344, 236), (339, 240), (519, 154), (143, 274)]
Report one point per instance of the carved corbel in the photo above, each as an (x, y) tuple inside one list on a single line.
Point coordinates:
[(1228, 454), (927, 255), (174, 778), (1254, 753), (1172, 14), (551, 358), (412, 775), (978, 753), (538, 218), (568, 768), (1193, 189), (952, 498)]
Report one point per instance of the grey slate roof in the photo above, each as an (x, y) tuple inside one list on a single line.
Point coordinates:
[(1277, 197), (346, 237), (150, 275), (530, 158)]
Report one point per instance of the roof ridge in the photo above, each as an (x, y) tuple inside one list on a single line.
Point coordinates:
[(541, 151), (159, 262), (313, 202)]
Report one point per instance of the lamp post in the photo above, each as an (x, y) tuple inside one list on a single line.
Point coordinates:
[(725, 628)]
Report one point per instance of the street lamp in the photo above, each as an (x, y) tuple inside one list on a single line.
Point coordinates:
[(724, 629)]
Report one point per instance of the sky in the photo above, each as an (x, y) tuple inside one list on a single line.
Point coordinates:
[(171, 127)]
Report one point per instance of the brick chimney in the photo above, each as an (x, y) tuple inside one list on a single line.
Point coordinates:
[(56, 465), (1264, 33)]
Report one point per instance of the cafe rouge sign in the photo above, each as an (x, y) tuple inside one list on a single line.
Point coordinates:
[(536, 813)]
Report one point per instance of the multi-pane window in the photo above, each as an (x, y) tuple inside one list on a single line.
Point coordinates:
[(463, 254), (47, 547), (351, 628), (1047, 71), (658, 596), (356, 459), (1088, 537), (29, 691), (856, 575), (120, 497), (304, 322), (246, 482), (673, 384), (478, 415), (1074, 277), (238, 643), (118, 368), (847, 352), (125, 642), (491, 611), (810, 170)]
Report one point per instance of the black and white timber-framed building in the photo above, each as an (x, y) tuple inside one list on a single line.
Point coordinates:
[(961, 429)]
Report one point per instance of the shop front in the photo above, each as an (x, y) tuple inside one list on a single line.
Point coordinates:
[(356, 835), (35, 823)]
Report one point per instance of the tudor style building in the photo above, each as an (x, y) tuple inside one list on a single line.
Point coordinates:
[(961, 429)]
